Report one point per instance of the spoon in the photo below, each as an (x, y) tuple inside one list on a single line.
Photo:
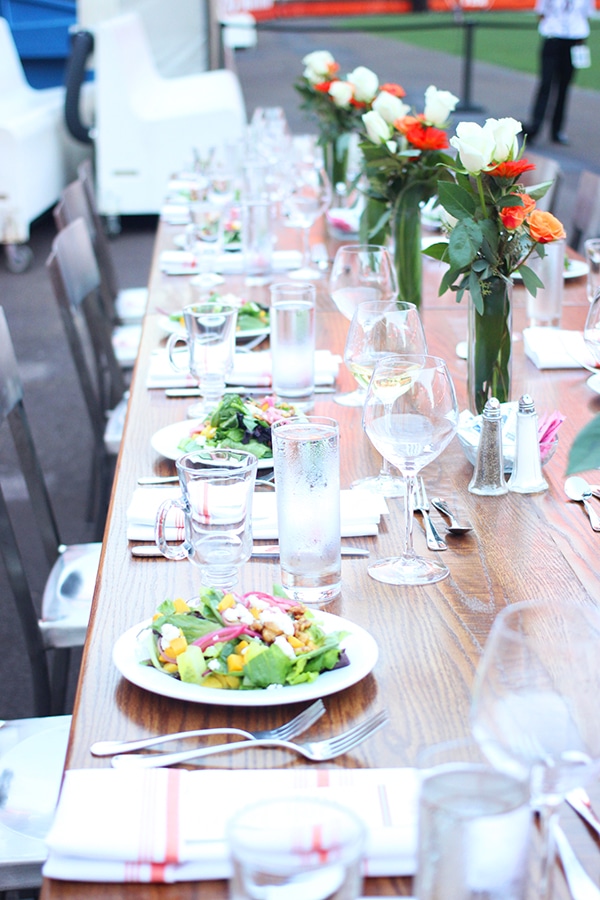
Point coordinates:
[(455, 526), (578, 489)]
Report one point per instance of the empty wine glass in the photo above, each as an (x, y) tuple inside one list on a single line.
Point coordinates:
[(410, 416), (360, 273), (210, 337), (308, 197), (377, 329), (535, 699), (204, 238), (591, 329)]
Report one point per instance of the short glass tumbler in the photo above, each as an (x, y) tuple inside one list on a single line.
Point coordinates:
[(296, 848)]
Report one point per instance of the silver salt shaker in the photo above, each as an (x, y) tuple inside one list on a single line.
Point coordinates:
[(526, 476), (488, 474)]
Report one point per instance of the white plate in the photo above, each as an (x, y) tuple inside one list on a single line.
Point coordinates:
[(170, 326), (180, 242), (359, 645), (577, 268), (593, 382), (165, 441)]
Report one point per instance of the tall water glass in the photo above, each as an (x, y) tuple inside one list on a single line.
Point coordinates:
[(210, 337), (292, 323), (216, 504), (535, 703), (308, 197), (296, 848), (546, 307), (410, 416), (474, 827), (306, 459), (204, 239), (591, 329)]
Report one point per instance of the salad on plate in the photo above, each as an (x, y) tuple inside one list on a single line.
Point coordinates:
[(231, 641), (252, 318), (239, 423)]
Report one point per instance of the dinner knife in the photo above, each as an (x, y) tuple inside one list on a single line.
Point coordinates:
[(580, 802), (271, 550), (259, 391)]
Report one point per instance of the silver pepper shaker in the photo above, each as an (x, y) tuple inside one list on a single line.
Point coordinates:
[(488, 474), (526, 476)]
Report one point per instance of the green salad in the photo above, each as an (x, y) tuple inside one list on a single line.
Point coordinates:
[(251, 316), (239, 423), (232, 641)]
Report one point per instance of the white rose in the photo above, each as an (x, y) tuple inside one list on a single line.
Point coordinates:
[(341, 92), (438, 105), (390, 107), (378, 129), (505, 133), (365, 84), (318, 66), (475, 146)]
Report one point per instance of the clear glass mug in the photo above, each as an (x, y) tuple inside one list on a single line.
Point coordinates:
[(216, 509), (210, 337)]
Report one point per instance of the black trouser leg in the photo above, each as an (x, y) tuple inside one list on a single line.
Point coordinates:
[(547, 68), (564, 75)]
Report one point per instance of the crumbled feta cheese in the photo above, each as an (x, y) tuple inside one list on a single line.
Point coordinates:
[(257, 602), (169, 632), (278, 618), (238, 613), (282, 642), (213, 665)]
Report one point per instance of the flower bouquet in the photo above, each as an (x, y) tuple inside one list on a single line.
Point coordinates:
[(337, 104), (403, 161), (495, 227)]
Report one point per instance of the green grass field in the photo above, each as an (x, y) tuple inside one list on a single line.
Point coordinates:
[(502, 38)]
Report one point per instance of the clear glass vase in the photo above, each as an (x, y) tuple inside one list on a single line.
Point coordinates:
[(489, 345), (335, 160)]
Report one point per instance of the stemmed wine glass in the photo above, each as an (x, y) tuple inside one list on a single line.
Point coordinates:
[(535, 699), (410, 416), (360, 273), (308, 197), (377, 329), (204, 238)]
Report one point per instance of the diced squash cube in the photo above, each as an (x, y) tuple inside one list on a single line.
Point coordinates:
[(176, 646), (171, 668), (294, 642), (235, 662), (180, 605), (227, 602)]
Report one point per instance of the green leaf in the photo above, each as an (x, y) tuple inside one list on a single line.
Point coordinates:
[(465, 240), (476, 295), (585, 450), (537, 191), (456, 200), (437, 251), (531, 281)]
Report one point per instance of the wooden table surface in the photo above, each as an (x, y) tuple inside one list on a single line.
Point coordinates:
[(430, 638)]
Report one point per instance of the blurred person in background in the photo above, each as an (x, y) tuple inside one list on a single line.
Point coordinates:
[(563, 26)]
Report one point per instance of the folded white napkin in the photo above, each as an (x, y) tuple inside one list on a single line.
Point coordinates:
[(182, 262), (167, 825), (555, 348), (249, 370), (175, 214), (360, 513)]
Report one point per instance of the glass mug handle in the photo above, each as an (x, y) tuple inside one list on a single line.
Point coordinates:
[(181, 550), (173, 340)]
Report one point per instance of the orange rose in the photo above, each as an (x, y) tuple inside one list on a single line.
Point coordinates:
[(544, 227), (513, 216), (402, 125), (395, 89)]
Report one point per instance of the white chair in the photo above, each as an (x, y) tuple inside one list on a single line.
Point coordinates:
[(32, 757), (35, 153), (72, 570), (147, 125), (546, 169)]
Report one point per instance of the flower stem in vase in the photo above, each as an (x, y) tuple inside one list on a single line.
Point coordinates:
[(406, 230), (335, 158), (489, 345)]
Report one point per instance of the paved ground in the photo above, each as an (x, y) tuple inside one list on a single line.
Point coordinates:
[(52, 397)]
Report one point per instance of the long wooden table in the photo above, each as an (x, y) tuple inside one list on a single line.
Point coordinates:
[(430, 638)]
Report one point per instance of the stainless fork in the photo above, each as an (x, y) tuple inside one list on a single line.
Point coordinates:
[(421, 505), (317, 751), (297, 725)]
